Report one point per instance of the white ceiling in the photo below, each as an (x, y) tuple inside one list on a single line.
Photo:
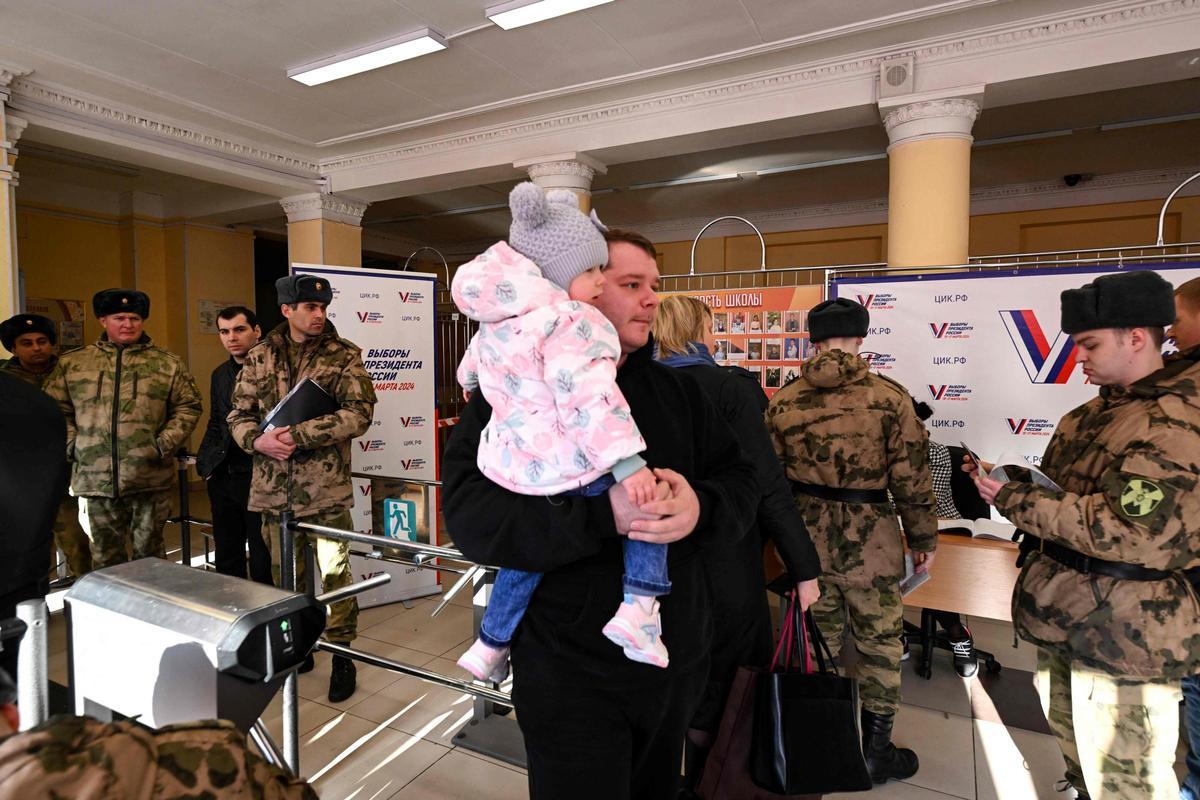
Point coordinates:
[(227, 59), (219, 66)]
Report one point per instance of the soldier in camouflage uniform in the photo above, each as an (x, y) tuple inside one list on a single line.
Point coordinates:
[(82, 759), (1107, 591), (32, 340), (848, 437), (129, 406), (313, 483)]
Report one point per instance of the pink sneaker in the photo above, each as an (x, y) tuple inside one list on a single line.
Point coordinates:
[(485, 662), (637, 629)]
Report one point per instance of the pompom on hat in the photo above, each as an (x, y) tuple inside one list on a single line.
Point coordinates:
[(549, 229)]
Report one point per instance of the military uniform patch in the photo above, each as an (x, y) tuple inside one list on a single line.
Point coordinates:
[(1140, 497)]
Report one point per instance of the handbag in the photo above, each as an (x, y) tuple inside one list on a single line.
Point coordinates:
[(806, 737)]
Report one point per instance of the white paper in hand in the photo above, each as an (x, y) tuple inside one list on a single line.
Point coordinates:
[(912, 578)]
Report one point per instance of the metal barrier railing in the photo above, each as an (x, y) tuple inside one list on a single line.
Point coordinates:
[(491, 741)]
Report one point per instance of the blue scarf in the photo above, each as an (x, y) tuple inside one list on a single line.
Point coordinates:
[(698, 357)]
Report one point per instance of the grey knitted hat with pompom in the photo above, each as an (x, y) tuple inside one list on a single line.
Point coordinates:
[(549, 229)]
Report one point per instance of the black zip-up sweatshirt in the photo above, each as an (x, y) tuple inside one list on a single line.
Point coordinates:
[(573, 540)]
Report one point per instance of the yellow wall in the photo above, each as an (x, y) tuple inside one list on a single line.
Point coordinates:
[(220, 266), (69, 256), (1082, 227)]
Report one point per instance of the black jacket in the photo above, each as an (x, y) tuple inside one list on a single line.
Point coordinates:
[(742, 631), (574, 542), (33, 477), (740, 401), (217, 447)]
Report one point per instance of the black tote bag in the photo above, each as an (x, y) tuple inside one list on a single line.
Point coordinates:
[(806, 738)]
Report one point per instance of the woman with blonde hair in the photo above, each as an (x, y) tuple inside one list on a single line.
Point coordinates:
[(742, 621)]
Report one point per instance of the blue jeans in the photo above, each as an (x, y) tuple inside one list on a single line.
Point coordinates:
[(645, 575), (1191, 730)]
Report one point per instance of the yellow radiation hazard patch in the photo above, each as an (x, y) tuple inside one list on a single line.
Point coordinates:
[(1140, 497)]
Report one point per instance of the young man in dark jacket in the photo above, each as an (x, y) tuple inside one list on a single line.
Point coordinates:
[(596, 724), (224, 466)]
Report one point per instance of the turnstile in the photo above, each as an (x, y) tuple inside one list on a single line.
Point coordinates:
[(165, 643)]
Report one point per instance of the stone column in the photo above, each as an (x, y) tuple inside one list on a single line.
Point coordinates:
[(11, 128), (929, 176), (571, 171), (324, 229)]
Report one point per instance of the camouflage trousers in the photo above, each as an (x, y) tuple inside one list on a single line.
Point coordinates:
[(1117, 737), (876, 617), (112, 524), (70, 538), (333, 561)]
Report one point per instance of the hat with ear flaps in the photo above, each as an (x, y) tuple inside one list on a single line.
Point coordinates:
[(1138, 299), (549, 229)]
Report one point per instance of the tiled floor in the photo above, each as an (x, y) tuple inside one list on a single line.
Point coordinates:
[(979, 738)]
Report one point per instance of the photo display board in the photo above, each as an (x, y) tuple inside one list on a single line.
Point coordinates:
[(762, 330)]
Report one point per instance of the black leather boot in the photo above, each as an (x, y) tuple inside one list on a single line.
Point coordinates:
[(343, 679), (884, 760), (308, 664)]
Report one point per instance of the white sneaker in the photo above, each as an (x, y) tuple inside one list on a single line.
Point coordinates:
[(485, 663), (637, 629)]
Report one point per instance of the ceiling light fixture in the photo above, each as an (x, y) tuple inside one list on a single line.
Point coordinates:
[(380, 54), (526, 12)]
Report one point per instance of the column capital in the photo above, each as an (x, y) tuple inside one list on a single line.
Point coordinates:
[(944, 114), (574, 171), (13, 128), (316, 205)]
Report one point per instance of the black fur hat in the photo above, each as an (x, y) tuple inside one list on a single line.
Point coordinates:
[(303, 289), (836, 318), (13, 327), (121, 301), (1139, 299)]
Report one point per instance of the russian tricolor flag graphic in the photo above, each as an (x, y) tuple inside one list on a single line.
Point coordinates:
[(1045, 362)]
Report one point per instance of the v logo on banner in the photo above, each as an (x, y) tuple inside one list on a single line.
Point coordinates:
[(1044, 362)]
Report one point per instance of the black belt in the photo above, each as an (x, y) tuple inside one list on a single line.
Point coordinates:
[(1098, 566), (841, 495)]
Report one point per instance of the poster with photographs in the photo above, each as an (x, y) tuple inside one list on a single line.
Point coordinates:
[(762, 330)]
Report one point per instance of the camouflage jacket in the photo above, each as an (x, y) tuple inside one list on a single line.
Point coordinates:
[(13, 367), (321, 464), (128, 410), (1129, 463), (83, 759), (842, 426)]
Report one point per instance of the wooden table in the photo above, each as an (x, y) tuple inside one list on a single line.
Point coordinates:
[(971, 576)]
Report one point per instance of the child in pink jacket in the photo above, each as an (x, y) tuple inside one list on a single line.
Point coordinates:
[(546, 361)]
